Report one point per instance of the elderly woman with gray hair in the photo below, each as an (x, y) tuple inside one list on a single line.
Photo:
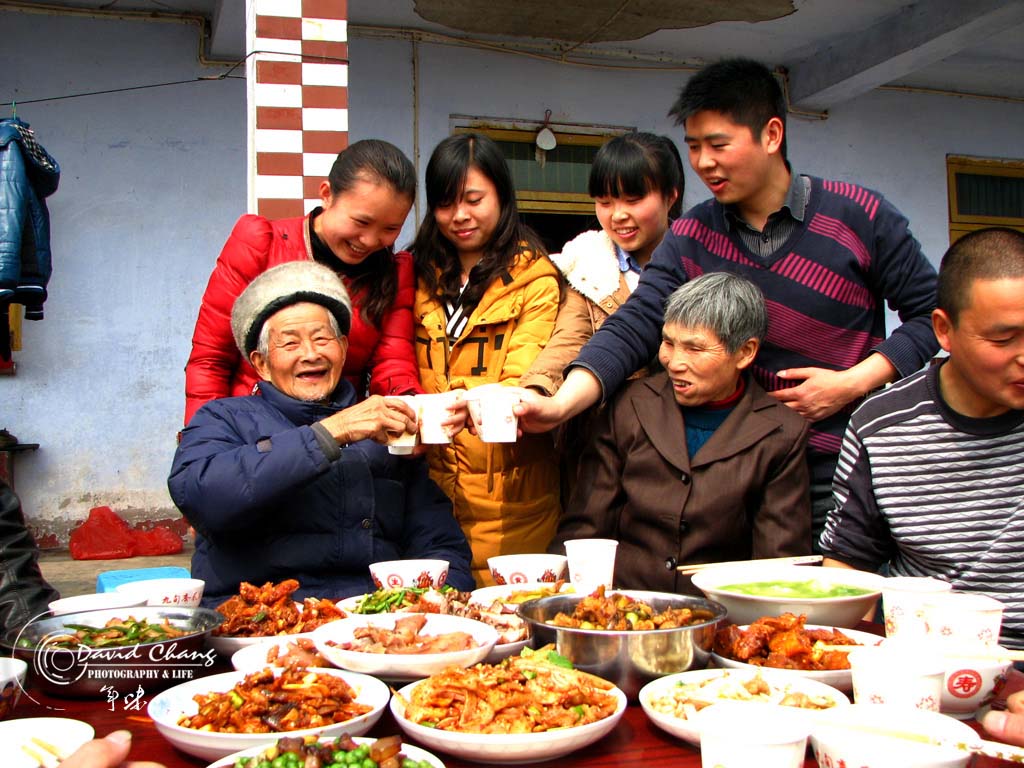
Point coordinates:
[(697, 463)]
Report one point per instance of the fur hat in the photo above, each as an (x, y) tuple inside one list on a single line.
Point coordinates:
[(282, 286)]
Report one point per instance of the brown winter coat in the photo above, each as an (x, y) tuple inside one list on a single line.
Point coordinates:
[(744, 495), (505, 495), (595, 289)]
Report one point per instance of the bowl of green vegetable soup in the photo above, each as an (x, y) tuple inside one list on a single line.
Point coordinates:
[(115, 652), (837, 597)]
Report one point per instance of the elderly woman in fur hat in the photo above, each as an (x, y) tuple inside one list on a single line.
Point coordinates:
[(295, 481)]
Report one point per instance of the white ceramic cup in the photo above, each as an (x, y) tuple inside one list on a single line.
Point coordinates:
[(432, 410), (898, 674), (403, 444), (963, 618), (903, 599), (737, 734), (491, 405), (591, 563), (970, 680)]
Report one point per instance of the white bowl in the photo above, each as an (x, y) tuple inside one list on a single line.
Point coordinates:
[(528, 569), (746, 609), (687, 731), (253, 658), (12, 683), (411, 752), (168, 707), (391, 574), (512, 748), (181, 593), (514, 595), (95, 602), (837, 678), (870, 738), (403, 666), (65, 734)]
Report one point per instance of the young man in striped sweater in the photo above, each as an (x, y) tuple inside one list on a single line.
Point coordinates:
[(931, 473), (827, 255)]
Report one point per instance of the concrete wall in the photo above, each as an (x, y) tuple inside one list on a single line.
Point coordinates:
[(151, 182), (154, 179)]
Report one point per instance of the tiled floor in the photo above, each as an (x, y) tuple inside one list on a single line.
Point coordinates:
[(78, 577)]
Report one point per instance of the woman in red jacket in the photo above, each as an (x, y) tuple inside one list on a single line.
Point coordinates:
[(366, 199)]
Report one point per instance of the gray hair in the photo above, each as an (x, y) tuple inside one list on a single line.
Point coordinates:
[(263, 343), (728, 305)]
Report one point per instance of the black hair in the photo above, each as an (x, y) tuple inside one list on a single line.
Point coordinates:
[(446, 177), (986, 254), (743, 90), (633, 164), (375, 283)]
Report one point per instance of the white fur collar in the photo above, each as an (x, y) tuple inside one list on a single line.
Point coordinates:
[(590, 265)]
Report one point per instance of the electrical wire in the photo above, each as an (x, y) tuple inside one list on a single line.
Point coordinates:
[(201, 79)]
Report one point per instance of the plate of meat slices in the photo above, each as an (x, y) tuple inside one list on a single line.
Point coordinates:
[(513, 633), (279, 652), (258, 613), (404, 646), (788, 645)]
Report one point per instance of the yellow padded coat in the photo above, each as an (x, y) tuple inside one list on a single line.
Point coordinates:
[(506, 496)]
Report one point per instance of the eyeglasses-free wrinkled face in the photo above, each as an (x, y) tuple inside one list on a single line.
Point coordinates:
[(305, 357)]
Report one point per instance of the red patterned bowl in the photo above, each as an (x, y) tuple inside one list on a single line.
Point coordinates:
[(393, 574)]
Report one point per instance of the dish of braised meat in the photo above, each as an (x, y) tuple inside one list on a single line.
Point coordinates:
[(619, 611), (783, 642), (270, 610)]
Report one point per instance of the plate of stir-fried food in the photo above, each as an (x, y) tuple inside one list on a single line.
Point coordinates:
[(527, 708), (214, 716), (404, 646), (789, 645), (344, 750), (672, 701), (257, 613)]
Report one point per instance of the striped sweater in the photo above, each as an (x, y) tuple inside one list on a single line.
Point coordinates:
[(933, 493), (825, 288)]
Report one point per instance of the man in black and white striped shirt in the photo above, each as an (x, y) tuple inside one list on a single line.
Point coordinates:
[(930, 477)]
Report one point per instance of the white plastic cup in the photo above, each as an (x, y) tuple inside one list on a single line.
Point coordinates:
[(963, 618), (403, 444), (903, 599), (491, 406), (591, 563), (902, 675), (432, 410), (736, 734)]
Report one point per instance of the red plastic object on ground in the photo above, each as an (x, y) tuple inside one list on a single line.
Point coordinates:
[(105, 536)]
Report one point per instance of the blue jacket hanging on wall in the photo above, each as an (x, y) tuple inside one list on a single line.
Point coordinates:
[(28, 175)]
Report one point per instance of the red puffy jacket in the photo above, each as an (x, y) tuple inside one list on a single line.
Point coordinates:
[(216, 368)]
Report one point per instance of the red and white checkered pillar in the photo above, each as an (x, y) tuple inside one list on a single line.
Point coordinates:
[(297, 96)]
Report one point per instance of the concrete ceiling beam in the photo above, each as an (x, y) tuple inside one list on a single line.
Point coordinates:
[(919, 35), (227, 30)]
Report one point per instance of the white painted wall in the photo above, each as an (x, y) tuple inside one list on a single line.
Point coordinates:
[(154, 179)]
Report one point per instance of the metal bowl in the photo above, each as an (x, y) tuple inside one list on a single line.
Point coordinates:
[(630, 658), (101, 672)]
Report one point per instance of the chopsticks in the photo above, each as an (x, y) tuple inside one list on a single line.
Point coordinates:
[(994, 653), (50, 757), (984, 747), (688, 570)]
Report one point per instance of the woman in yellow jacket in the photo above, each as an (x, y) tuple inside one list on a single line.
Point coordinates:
[(486, 303)]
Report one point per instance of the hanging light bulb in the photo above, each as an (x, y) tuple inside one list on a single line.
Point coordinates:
[(545, 137)]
